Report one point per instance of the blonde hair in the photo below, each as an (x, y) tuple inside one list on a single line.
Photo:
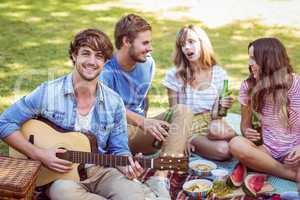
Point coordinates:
[(207, 55)]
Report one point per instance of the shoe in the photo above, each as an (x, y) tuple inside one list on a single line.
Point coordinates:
[(160, 187)]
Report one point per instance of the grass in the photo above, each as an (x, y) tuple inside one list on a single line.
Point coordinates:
[(35, 36)]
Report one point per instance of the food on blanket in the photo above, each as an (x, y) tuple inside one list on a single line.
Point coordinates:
[(221, 189), (253, 184), (220, 174), (202, 167), (237, 176), (198, 187)]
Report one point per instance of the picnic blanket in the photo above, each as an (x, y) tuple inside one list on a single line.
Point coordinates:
[(177, 180)]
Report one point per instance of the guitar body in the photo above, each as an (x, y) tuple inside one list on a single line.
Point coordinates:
[(47, 137), (82, 148)]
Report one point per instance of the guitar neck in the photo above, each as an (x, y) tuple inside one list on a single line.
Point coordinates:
[(104, 159)]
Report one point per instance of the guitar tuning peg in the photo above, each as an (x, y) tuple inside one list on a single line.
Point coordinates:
[(173, 155), (180, 155), (165, 154)]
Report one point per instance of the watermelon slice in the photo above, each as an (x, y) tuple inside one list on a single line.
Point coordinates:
[(253, 184), (237, 176)]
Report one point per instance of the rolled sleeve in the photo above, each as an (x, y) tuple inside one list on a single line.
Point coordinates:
[(26, 108), (7, 128), (118, 141), (243, 97), (171, 81)]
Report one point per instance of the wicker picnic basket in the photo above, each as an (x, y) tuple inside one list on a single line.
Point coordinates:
[(17, 178)]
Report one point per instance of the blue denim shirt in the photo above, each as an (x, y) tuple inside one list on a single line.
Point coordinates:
[(55, 100)]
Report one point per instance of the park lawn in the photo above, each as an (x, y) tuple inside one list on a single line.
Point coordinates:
[(35, 36)]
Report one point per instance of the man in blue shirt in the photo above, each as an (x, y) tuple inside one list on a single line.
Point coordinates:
[(78, 102), (130, 73)]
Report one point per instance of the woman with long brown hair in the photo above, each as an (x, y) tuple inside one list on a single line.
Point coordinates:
[(196, 81), (272, 91)]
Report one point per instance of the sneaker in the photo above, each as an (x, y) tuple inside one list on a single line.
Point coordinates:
[(160, 187)]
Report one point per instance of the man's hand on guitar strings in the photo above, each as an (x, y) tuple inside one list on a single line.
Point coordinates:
[(134, 170)]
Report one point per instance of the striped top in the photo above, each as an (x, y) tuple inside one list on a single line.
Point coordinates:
[(278, 139), (198, 100)]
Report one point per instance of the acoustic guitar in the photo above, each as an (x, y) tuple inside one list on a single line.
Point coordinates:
[(79, 150)]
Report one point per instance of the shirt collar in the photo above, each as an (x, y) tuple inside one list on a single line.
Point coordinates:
[(69, 89)]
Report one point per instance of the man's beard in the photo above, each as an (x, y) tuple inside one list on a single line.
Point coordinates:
[(85, 77), (133, 55)]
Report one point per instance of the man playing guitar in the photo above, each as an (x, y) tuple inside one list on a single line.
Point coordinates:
[(79, 102)]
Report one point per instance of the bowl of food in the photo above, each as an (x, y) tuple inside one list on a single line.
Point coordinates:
[(202, 167), (220, 174), (198, 188)]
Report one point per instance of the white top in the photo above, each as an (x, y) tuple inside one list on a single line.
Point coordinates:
[(83, 122), (198, 100)]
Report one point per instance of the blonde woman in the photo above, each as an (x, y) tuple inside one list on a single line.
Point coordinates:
[(196, 81)]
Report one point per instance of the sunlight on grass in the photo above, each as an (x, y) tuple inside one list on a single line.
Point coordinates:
[(62, 63), (29, 44), (9, 100), (247, 25), (100, 6), (33, 19), (4, 5), (240, 57), (23, 7), (16, 15), (297, 33), (280, 31), (60, 14), (14, 66), (239, 38), (55, 41), (106, 19)]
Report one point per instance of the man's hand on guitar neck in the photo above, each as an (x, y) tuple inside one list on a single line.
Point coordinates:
[(134, 170), (49, 159)]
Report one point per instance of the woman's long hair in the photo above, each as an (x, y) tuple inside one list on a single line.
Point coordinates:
[(207, 58), (274, 77)]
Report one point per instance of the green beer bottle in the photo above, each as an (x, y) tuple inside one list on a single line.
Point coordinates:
[(222, 111), (167, 117), (257, 126)]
